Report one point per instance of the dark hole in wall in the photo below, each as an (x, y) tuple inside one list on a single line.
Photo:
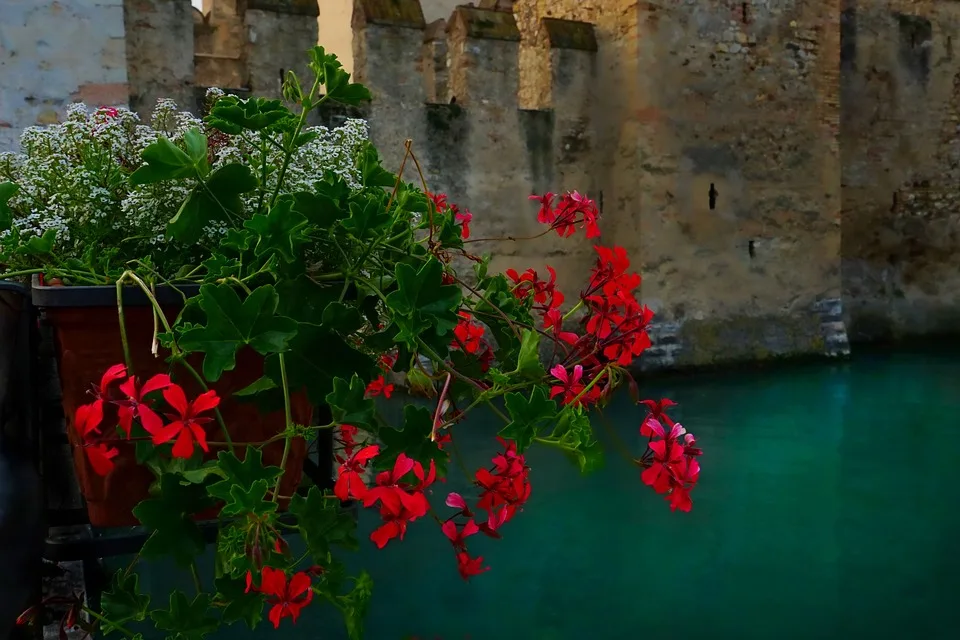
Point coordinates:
[(283, 75), (745, 12), (751, 249), (915, 34), (848, 39), (712, 195)]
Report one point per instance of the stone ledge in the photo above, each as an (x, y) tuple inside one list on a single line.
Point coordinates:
[(484, 24), (293, 7), (570, 34), (396, 13)]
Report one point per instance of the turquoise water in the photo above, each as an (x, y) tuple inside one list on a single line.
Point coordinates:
[(826, 509)]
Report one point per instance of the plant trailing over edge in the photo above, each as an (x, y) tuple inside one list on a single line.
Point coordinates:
[(341, 286)]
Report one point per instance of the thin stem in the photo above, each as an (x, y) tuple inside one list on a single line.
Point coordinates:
[(289, 421), (195, 574), (436, 414), (288, 153), (99, 618), (17, 274), (123, 328)]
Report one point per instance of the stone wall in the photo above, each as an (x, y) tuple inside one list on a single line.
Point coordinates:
[(160, 61), (762, 160), (53, 53), (901, 167)]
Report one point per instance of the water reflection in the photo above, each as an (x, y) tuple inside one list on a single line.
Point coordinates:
[(825, 510)]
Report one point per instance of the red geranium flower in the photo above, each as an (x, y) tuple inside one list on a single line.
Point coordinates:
[(457, 536), (468, 335), (101, 458), (349, 482), (134, 407), (285, 598), (379, 387), (187, 425), (469, 567)]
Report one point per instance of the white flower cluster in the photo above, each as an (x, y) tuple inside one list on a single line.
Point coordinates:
[(72, 176)]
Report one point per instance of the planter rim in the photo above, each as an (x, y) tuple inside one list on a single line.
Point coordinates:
[(10, 285), (45, 296)]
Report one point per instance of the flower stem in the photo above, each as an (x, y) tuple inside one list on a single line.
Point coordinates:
[(288, 413), (99, 618), (123, 328), (195, 574)]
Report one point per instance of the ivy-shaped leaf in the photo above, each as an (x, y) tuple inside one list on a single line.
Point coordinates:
[(317, 356), (280, 231), (365, 221), (528, 416), (423, 302), (342, 318), (40, 245), (185, 619), (232, 115), (244, 474), (231, 324), (319, 208), (574, 435), (164, 161), (371, 169), (323, 523), (242, 606), (252, 500), (217, 199), (413, 439), (167, 516), (349, 404), (123, 602)]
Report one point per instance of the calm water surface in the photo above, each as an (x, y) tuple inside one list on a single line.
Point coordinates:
[(827, 509)]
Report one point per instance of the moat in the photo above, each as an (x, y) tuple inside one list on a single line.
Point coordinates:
[(825, 510)]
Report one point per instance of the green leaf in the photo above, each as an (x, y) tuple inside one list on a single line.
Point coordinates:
[(244, 474), (339, 317), (167, 516), (164, 161), (242, 606), (371, 170), (280, 231), (320, 209), (40, 245), (413, 439), (423, 302), (317, 356), (356, 604), (527, 416), (196, 144), (260, 385), (218, 199), (349, 404), (7, 191), (574, 435), (243, 501), (323, 523), (232, 115), (528, 362), (367, 220), (186, 620), (231, 324), (123, 602)]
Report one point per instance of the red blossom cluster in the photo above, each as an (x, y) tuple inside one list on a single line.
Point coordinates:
[(380, 386), (573, 209), (504, 489), (670, 465), (286, 598), (185, 423), (468, 336), (400, 500), (545, 294), (463, 217)]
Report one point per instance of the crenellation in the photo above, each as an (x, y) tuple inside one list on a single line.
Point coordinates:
[(783, 169)]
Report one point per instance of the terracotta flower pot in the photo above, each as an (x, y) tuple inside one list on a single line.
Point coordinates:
[(87, 332)]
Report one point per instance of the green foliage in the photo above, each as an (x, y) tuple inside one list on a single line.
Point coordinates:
[(242, 606), (323, 524), (123, 603), (168, 518), (349, 404), (423, 302), (232, 323), (528, 415), (245, 484), (186, 619), (413, 439), (7, 191)]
